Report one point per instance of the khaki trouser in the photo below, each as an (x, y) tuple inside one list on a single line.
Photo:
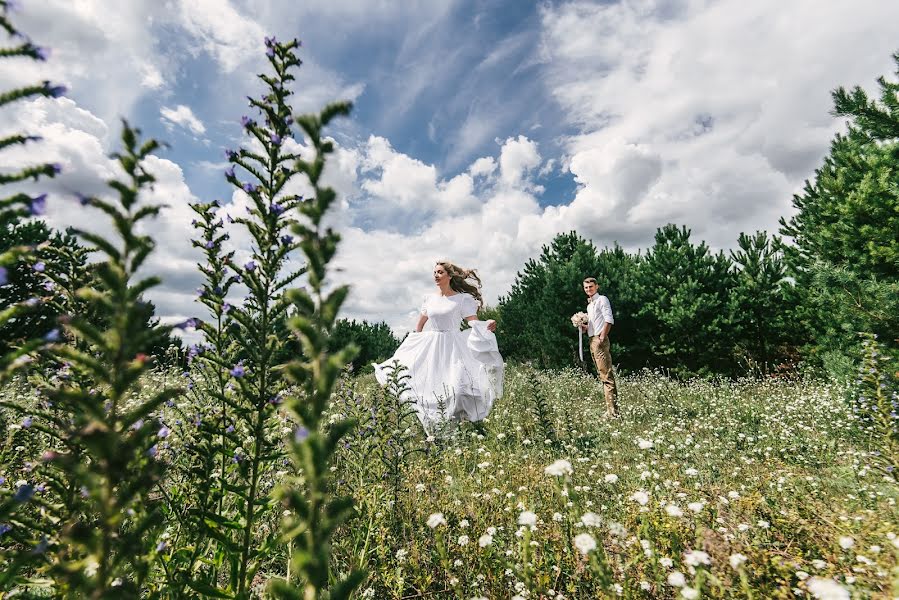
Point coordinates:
[(603, 359)]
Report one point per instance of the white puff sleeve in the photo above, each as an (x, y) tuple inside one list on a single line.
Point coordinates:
[(469, 306)]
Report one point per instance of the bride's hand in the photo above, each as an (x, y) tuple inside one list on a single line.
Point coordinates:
[(491, 325)]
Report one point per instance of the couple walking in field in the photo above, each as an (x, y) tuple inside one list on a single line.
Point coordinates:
[(458, 374)]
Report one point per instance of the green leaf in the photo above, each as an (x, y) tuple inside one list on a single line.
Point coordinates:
[(207, 590)]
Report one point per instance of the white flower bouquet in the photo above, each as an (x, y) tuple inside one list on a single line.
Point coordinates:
[(579, 320)]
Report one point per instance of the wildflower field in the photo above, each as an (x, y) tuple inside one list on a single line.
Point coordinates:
[(746, 489), (255, 464)]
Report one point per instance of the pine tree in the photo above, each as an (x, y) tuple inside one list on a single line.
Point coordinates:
[(762, 302), (683, 317), (845, 233), (535, 323)]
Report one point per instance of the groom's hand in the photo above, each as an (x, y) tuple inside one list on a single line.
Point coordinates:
[(491, 325)]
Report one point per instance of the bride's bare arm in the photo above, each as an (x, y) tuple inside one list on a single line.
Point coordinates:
[(422, 319), (491, 324)]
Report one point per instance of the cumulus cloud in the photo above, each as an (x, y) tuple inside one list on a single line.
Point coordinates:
[(704, 113), (75, 138), (701, 112), (184, 116)]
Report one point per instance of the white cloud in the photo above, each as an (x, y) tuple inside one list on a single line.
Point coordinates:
[(517, 158), (705, 113), (184, 116), (709, 114), (482, 167), (103, 51), (76, 139), (229, 36)]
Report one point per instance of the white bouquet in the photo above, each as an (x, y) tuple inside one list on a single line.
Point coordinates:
[(579, 320)]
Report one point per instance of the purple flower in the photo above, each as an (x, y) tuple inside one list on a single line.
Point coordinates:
[(4, 527), (41, 546), (270, 41), (153, 451), (229, 173), (49, 286), (83, 200), (276, 208), (42, 53), (250, 266), (229, 429), (287, 240), (54, 91), (4, 275), (39, 267), (38, 205), (276, 139), (209, 245), (137, 424), (249, 188), (190, 323), (230, 154), (163, 432), (26, 422), (52, 336), (270, 52), (246, 122), (56, 168), (226, 308), (300, 434), (238, 371), (24, 493), (161, 546), (201, 292)]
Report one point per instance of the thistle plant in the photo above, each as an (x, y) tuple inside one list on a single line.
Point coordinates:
[(266, 168), (198, 489), (315, 511), (104, 434), (20, 204), (15, 524), (876, 402), (542, 410), (393, 420)]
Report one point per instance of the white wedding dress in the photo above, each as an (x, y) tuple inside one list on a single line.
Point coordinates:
[(453, 374)]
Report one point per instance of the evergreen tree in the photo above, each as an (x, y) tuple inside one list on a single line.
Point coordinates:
[(683, 317), (375, 341), (762, 302), (535, 316), (845, 233), (54, 257)]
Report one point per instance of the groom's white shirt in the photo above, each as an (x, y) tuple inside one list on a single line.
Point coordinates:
[(599, 312)]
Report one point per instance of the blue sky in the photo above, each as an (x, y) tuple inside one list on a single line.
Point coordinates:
[(476, 69), (480, 130)]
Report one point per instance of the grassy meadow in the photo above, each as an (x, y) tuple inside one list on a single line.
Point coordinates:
[(713, 489)]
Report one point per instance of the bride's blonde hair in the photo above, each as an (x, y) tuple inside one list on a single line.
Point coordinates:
[(463, 280)]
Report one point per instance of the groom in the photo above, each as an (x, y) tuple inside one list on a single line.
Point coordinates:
[(599, 322)]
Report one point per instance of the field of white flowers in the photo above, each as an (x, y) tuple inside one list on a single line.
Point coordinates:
[(748, 489), (728, 489)]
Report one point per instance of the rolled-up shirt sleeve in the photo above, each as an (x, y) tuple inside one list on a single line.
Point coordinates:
[(605, 309)]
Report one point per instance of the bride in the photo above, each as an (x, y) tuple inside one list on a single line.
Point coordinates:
[(453, 374)]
